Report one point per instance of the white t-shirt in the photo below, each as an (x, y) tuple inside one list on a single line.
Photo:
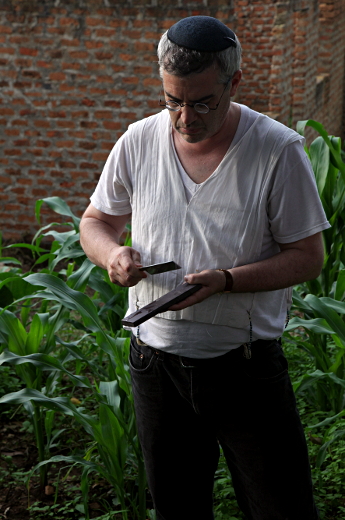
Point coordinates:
[(293, 193)]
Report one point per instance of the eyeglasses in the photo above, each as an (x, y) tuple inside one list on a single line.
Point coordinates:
[(201, 108)]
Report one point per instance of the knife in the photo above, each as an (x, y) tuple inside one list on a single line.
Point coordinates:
[(160, 268)]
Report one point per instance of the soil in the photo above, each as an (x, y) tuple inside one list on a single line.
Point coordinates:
[(18, 455)]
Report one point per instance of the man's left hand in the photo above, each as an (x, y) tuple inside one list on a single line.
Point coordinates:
[(213, 282)]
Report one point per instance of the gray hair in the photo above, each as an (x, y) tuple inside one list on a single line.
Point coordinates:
[(180, 61)]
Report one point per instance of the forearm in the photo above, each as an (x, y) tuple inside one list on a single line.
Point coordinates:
[(99, 240), (285, 269)]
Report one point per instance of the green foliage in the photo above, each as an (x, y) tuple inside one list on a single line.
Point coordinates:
[(321, 301), (318, 329), (33, 343)]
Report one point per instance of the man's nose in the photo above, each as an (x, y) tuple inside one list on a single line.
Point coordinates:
[(187, 115)]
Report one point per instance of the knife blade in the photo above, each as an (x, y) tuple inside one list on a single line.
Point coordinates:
[(160, 268)]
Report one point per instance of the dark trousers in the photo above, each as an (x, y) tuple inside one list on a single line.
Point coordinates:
[(186, 408)]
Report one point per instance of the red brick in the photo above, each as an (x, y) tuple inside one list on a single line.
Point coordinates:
[(93, 44), (104, 55), (78, 174), (88, 124), (64, 144), (88, 166), (79, 55), (12, 151), (42, 123), (6, 50), (105, 33), (21, 142), (11, 132), (111, 125), (57, 114), (70, 42), (103, 114), (6, 111), (133, 80), (100, 156), (77, 134), (112, 103), (57, 76), (66, 164), (86, 145), (93, 21), (65, 124), (26, 182), (68, 21), (28, 52), (69, 65), (38, 192), (95, 66), (5, 29)]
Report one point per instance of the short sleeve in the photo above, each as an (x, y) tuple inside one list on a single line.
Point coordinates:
[(294, 207), (113, 192)]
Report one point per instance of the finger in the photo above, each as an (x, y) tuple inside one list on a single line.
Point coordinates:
[(123, 270)]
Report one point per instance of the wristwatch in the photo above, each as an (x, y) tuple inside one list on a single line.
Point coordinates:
[(229, 281)]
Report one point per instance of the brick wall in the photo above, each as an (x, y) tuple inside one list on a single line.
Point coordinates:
[(74, 74)]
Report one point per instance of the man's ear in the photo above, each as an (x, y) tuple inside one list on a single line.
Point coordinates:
[(235, 82)]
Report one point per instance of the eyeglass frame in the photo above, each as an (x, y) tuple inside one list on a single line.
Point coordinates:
[(181, 105)]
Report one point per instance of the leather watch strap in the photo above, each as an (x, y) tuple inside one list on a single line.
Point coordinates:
[(229, 282)]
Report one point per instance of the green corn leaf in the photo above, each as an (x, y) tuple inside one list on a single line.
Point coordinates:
[(17, 285), (60, 404), (69, 297), (309, 380), (43, 362), (38, 236), (324, 308), (320, 128), (319, 157), (60, 207), (110, 390), (72, 459), (317, 325), (334, 304), (33, 248), (9, 260), (340, 286), (327, 421), (79, 278), (12, 329), (35, 334)]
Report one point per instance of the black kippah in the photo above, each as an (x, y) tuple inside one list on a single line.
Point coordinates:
[(202, 33)]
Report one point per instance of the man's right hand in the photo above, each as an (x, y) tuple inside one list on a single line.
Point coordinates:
[(100, 236), (123, 266)]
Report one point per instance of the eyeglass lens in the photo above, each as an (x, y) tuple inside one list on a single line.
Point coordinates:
[(199, 107)]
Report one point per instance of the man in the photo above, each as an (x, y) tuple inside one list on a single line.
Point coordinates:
[(229, 195)]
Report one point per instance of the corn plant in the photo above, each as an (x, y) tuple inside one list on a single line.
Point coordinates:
[(329, 169), (115, 452), (114, 431), (321, 301)]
